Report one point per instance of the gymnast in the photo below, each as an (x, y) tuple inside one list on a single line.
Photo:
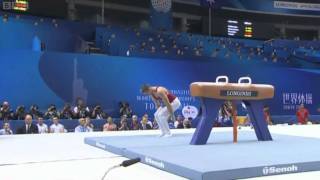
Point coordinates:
[(166, 104)]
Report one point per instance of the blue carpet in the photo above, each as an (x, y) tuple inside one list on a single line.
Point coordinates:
[(220, 158)]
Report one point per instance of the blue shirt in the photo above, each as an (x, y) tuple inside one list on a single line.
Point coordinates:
[(80, 128)]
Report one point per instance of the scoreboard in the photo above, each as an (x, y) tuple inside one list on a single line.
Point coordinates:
[(239, 28), (15, 5)]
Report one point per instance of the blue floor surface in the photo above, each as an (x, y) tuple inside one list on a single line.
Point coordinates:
[(220, 158)]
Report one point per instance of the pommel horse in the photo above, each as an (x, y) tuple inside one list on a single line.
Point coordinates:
[(212, 95)]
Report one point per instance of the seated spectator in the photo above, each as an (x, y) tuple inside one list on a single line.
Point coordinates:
[(186, 123), (135, 123), (81, 110), (125, 109), (56, 127), (124, 124), (267, 116), (98, 113), (42, 127), (20, 113), (89, 125), (179, 122), (82, 126), (145, 123), (5, 112), (302, 115), (34, 111), (6, 129), (51, 112), (66, 112), (109, 126), (28, 127)]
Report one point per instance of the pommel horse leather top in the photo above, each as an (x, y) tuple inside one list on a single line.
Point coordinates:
[(232, 91), (212, 96)]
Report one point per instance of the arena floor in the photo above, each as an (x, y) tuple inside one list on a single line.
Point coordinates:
[(66, 157)]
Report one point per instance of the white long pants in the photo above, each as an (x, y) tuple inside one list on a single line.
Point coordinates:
[(162, 115)]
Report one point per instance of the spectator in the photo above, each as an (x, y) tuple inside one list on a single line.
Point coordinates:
[(125, 109), (5, 112), (302, 115), (6, 129), (20, 113), (28, 127), (267, 116), (42, 127), (186, 123), (135, 123), (124, 124), (56, 127), (89, 125), (34, 111), (51, 112), (109, 126), (82, 126), (145, 123), (179, 122), (81, 110), (66, 112), (98, 113), (225, 115)]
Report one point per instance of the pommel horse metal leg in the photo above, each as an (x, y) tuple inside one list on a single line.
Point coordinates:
[(256, 116), (210, 111)]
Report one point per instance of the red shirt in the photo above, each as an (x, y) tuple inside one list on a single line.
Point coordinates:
[(302, 115), (171, 97)]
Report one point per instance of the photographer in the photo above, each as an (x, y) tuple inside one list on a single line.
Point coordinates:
[(20, 113), (52, 112), (66, 112), (98, 113), (81, 110), (5, 112), (34, 112), (125, 109)]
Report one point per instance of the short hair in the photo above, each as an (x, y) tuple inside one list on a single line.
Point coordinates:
[(145, 87), (81, 119)]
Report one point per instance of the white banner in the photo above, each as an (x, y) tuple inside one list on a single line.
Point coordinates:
[(296, 5)]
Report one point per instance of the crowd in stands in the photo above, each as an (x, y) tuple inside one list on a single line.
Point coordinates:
[(181, 45), (81, 112)]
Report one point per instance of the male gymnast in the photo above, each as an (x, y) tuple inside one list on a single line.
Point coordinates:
[(166, 104)]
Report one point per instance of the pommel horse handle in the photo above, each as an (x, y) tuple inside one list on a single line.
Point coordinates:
[(241, 79), (226, 79)]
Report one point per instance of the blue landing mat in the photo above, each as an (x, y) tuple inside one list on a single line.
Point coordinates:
[(220, 158)]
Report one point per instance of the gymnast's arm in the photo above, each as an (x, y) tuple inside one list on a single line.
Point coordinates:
[(165, 100)]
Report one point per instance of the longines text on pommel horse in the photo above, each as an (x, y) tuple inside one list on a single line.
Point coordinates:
[(212, 95)]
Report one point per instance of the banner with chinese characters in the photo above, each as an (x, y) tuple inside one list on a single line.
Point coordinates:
[(292, 100)]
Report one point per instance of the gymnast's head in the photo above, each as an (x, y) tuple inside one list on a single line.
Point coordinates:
[(145, 89)]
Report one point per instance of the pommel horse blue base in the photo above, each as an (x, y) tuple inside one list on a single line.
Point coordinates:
[(210, 108)]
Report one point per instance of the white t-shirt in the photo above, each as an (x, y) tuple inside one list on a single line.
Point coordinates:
[(42, 128), (59, 128)]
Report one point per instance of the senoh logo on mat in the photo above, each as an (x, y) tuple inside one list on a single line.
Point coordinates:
[(102, 146), (155, 163), (278, 170)]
